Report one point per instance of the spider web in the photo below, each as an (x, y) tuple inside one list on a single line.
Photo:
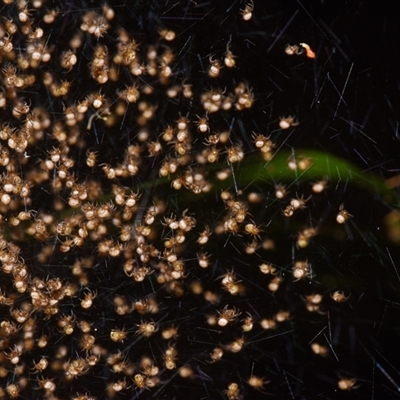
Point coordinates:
[(347, 134)]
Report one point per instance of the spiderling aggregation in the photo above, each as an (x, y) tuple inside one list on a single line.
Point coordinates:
[(139, 258)]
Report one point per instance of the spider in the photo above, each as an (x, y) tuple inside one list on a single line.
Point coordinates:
[(287, 122), (227, 315), (339, 296), (247, 12)]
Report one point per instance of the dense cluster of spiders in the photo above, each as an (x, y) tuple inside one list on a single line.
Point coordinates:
[(104, 273)]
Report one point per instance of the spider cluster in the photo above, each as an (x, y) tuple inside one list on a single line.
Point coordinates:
[(133, 258)]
